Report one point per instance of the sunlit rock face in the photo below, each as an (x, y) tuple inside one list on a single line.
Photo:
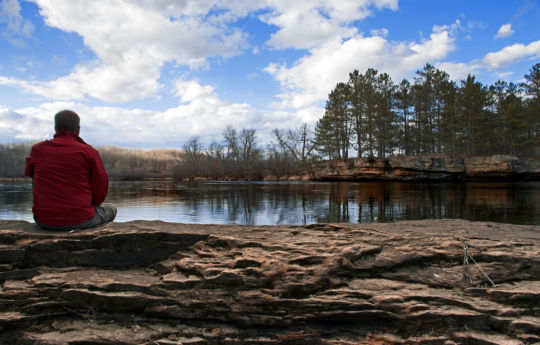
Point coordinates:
[(433, 167), (150, 282)]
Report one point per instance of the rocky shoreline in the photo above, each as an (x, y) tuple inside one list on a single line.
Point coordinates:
[(151, 282), (432, 167)]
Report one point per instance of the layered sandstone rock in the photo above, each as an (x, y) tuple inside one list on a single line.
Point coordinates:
[(434, 167), (161, 283)]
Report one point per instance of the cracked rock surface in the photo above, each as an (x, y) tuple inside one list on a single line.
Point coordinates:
[(151, 282)]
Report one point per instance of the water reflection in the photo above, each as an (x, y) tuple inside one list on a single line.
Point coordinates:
[(16, 201), (305, 203)]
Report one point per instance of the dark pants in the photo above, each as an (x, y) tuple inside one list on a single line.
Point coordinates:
[(104, 214)]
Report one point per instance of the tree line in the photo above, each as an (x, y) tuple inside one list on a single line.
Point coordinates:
[(375, 117), (239, 155)]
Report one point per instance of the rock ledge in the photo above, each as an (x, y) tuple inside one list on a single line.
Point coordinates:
[(162, 283), (430, 167)]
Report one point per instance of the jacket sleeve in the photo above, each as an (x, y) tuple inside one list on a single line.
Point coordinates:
[(29, 166), (98, 180)]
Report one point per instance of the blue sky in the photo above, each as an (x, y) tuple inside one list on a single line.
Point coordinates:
[(153, 73)]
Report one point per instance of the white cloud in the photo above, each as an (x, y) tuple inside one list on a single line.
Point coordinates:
[(504, 75), (511, 54), (16, 26), (19, 126), (312, 77), (132, 41), (459, 70), (202, 113), (504, 31), (189, 91), (303, 30), (452, 28), (142, 30), (380, 32), (122, 82), (305, 24), (492, 61)]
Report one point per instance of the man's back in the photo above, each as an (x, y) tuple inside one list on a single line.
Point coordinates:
[(69, 180)]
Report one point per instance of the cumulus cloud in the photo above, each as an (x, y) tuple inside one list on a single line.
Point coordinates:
[(303, 30), (305, 24), (189, 91), (134, 30), (492, 61), (312, 77), (202, 113), (122, 82), (16, 27), (23, 126), (459, 70), (132, 40), (504, 31), (511, 54)]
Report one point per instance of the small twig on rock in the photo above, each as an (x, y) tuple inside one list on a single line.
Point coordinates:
[(466, 256), (481, 270), (466, 269)]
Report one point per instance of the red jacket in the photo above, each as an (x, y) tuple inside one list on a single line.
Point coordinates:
[(68, 180)]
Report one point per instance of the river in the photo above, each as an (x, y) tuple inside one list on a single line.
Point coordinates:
[(272, 203)]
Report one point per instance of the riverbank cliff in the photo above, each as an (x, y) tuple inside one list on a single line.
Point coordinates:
[(434, 167), (151, 282)]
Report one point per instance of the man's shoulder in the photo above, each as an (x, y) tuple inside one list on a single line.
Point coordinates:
[(37, 146), (88, 149)]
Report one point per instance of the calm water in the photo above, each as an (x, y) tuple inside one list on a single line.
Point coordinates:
[(304, 202)]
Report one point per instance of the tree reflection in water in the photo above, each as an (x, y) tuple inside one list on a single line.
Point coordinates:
[(304, 203)]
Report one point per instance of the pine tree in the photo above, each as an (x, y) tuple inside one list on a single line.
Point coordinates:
[(434, 104), (333, 131), (474, 118), (364, 102), (531, 143), (509, 109), (385, 120), (404, 111)]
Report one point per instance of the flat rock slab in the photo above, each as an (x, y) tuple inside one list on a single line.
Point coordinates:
[(151, 282)]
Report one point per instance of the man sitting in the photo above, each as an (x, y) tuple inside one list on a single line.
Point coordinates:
[(69, 180)]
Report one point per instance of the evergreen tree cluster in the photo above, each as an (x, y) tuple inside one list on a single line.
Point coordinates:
[(378, 118)]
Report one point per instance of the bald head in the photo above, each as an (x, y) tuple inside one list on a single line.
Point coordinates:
[(67, 120)]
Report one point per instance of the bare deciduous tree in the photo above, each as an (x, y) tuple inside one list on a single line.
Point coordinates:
[(296, 142)]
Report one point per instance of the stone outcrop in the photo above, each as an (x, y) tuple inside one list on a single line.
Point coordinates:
[(434, 167), (161, 283)]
